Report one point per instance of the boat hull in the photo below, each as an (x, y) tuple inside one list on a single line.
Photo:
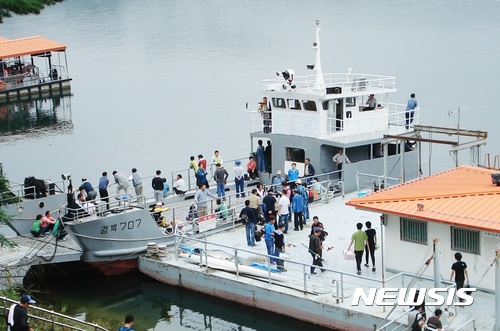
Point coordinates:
[(115, 268), (24, 213), (255, 293)]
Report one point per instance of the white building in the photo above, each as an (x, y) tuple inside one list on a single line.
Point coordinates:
[(459, 207)]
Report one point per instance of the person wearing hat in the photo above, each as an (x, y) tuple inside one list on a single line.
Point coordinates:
[(278, 181), (316, 250), (18, 314), (239, 179)]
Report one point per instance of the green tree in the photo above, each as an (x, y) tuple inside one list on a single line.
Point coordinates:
[(23, 7), (6, 197)]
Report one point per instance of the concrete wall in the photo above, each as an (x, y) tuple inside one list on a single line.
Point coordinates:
[(406, 256)]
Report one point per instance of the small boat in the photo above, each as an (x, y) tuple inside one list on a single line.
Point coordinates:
[(23, 202), (216, 262), (31, 67)]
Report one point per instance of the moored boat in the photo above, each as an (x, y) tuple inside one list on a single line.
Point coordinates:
[(314, 116), (23, 202), (28, 68)]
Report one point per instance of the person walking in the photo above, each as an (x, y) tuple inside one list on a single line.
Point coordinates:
[(157, 184), (279, 246), (298, 210), (269, 238), (136, 179), (370, 246), (316, 250), (459, 270), (129, 323), (410, 110), (434, 322), (17, 318), (359, 238)]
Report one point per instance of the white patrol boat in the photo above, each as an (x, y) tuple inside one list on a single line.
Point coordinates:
[(314, 116)]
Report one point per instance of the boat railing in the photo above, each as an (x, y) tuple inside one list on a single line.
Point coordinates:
[(322, 126), (20, 192), (189, 177), (353, 82), (43, 319), (35, 76), (372, 183)]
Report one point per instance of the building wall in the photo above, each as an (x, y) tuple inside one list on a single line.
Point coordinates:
[(406, 256)]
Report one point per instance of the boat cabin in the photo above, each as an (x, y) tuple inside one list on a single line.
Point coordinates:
[(314, 116), (30, 67)]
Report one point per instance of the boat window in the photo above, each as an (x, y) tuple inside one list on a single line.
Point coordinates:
[(293, 104), (294, 154), (279, 103), (325, 105), (309, 105), (413, 230), (465, 240), (350, 102)]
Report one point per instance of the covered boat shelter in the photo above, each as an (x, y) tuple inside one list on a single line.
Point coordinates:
[(28, 67)]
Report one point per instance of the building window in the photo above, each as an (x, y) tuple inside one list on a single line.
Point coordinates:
[(413, 230), (465, 240)]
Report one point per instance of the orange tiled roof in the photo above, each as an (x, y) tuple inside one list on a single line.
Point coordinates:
[(463, 196), (27, 46)]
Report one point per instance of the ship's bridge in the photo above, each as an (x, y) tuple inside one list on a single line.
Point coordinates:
[(340, 109)]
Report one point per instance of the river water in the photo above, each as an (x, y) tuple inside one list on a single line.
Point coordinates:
[(157, 81)]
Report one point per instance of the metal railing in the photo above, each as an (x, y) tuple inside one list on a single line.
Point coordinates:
[(18, 192), (369, 182), (331, 128), (349, 81), (50, 320)]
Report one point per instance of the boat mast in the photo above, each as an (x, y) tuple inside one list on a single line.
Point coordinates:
[(320, 83)]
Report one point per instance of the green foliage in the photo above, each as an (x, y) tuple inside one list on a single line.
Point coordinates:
[(23, 7), (6, 197)]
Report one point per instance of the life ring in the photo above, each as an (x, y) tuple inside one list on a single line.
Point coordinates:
[(2, 84)]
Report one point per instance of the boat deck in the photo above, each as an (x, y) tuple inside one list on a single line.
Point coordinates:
[(324, 295)]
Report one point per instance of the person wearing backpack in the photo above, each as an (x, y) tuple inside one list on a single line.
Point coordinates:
[(416, 319), (129, 323)]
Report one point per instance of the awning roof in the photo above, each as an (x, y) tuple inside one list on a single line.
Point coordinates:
[(463, 196), (28, 46)]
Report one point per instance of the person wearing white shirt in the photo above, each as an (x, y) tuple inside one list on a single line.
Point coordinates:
[(180, 186), (340, 158)]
